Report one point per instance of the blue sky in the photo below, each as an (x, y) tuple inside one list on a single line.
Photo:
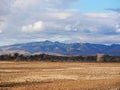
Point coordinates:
[(96, 5), (83, 21)]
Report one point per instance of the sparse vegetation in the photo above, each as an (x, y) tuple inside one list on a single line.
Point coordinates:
[(59, 76), (53, 58)]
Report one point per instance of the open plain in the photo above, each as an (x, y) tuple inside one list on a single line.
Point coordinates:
[(59, 76)]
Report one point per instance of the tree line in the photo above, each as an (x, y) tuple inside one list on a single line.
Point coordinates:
[(54, 58)]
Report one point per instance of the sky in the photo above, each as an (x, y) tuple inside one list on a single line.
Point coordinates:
[(69, 21)]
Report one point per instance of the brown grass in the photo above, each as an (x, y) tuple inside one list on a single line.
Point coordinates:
[(59, 76)]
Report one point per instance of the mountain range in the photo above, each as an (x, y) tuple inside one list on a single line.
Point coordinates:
[(58, 48)]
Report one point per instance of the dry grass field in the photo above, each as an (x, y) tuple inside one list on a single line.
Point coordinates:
[(59, 76)]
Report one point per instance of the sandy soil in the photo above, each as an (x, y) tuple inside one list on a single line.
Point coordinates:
[(59, 76)]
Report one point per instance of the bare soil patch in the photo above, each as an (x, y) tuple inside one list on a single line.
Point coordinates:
[(59, 76)]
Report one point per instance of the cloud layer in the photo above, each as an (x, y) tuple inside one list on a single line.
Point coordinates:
[(56, 20)]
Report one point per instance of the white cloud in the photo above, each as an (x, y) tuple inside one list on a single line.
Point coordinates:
[(100, 15), (23, 4), (117, 26), (68, 27), (118, 30), (42, 4), (37, 26), (0, 31), (2, 26), (5, 6), (60, 15)]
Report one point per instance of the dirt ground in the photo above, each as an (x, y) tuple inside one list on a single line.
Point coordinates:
[(59, 76)]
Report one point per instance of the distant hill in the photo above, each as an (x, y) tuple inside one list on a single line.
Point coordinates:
[(57, 48)]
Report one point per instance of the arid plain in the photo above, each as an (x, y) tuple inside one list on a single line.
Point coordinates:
[(59, 76)]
